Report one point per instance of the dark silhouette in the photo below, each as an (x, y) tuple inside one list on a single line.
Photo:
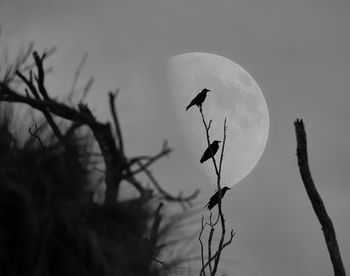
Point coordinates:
[(210, 151), (316, 200), (199, 99), (215, 198), (52, 220)]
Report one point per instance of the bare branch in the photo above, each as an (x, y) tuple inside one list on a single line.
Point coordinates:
[(153, 239), (143, 191), (210, 239), (40, 79), (223, 147), (116, 167), (208, 142), (29, 83), (101, 131), (9, 95), (232, 234), (209, 125), (36, 135), (316, 201), (165, 194), (222, 219), (222, 244), (86, 89), (149, 159), (34, 91), (202, 273), (119, 137), (76, 76)]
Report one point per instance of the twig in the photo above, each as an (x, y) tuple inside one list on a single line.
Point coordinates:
[(154, 234), (112, 97), (35, 93), (165, 194), (232, 234), (149, 159), (202, 272), (40, 79), (210, 239), (223, 147), (86, 89), (36, 135), (222, 245), (207, 127), (76, 76), (316, 201), (222, 219)]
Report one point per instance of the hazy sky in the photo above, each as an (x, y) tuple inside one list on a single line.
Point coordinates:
[(297, 51)]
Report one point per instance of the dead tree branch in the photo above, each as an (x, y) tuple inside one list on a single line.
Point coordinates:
[(202, 246), (118, 130), (35, 134), (222, 219), (167, 196), (222, 244), (117, 166), (316, 201), (149, 160)]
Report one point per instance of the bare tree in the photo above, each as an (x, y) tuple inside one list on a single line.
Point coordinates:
[(211, 260), (118, 166), (24, 82)]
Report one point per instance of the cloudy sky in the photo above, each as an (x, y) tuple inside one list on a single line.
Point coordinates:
[(297, 51)]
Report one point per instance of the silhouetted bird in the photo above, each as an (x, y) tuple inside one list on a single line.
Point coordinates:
[(215, 198), (207, 154), (199, 99)]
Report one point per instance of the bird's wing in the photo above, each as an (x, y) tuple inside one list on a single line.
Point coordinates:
[(193, 102), (207, 154)]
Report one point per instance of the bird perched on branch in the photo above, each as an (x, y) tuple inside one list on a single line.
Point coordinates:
[(199, 99), (210, 151), (215, 198)]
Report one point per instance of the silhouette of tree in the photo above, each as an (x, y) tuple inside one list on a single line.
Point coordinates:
[(212, 259), (50, 223)]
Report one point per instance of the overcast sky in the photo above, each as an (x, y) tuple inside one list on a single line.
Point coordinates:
[(296, 50)]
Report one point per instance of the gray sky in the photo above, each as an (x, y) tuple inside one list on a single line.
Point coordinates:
[(297, 51)]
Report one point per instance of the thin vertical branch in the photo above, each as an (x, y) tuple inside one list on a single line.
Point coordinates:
[(222, 219), (112, 97), (210, 240), (208, 142), (76, 77), (316, 201), (202, 273), (40, 79), (222, 244), (223, 147), (34, 91)]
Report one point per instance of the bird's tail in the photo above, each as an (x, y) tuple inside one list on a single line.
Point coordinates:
[(187, 107)]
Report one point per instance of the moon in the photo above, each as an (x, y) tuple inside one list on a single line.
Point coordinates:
[(234, 95)]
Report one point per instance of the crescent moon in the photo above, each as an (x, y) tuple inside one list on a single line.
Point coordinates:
[(236, 96)]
